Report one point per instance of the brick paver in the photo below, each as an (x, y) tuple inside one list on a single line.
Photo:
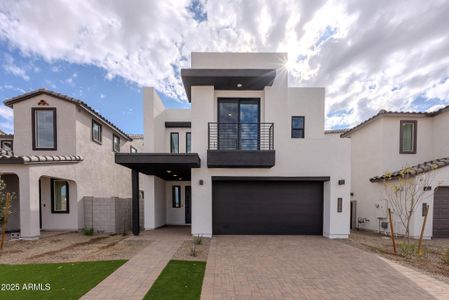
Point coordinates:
[(306, 267), (135, 277)]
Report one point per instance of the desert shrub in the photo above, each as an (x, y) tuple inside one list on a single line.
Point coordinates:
[(87, 231), (445, 257), (193, 251), (197, 240), (407, 250)]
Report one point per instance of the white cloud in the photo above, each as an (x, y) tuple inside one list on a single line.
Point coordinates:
[(6, 113), (368, 54), (10, 67)]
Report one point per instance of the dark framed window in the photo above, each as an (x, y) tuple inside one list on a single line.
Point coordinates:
[(174, 142), (298, 127), (97, 134), (59, 196), (407, 138), (176, 196), (188, 142), (132, 149), (6, 145), (340, 205), (44, 128), (115, 143)]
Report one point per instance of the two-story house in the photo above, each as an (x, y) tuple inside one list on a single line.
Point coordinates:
[(387, 143), (6, 141), (250, 157), (62, 157)]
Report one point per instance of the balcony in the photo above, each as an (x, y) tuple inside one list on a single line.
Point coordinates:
[(240, 145)]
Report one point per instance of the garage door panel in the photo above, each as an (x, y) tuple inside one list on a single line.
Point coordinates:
[(441, 212), (265, 207)]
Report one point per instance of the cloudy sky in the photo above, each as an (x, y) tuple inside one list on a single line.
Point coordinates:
[(370, 55)]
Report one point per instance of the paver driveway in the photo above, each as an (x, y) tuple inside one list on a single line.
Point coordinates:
[(305, 267)]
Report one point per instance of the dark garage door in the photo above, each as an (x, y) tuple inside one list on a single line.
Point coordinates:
[(441, 212), (267, 207)]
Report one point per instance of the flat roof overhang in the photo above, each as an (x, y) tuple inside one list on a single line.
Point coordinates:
[(168, 166), (227, 79)]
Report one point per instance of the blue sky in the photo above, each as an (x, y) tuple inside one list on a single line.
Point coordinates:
[(369, 55)]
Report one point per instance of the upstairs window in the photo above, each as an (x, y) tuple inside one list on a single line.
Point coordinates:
[(6, 145), (59, 196), (407, 143), (297, 127), (176, 191), (115, 143), (44, 128), (132, 149), (174, 142), (96, 132), (188, 142)]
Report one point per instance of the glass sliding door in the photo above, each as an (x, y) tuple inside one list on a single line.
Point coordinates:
[(238, 123)]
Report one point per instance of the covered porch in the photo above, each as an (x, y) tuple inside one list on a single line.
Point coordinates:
[(165, 178)]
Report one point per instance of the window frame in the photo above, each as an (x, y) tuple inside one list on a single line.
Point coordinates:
[(171, 145), (34, 110), (131, 148), (114, 136), (174, 188), (188, 141), (2, 142), (295, 129), (52, 186), (100, 142), (414, 134)]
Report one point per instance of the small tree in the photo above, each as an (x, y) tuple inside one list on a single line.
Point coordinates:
[(405, 192), (5, 210)]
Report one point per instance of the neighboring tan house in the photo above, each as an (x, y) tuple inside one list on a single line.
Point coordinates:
[(387, 143), (62, 165), (250, 157)]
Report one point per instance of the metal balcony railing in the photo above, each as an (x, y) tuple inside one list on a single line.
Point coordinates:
[(241, 136)]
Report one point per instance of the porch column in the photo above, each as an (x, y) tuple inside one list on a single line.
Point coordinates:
[(29, 206), (135, 201)]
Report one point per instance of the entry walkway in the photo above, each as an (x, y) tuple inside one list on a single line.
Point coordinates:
[(134, 279)]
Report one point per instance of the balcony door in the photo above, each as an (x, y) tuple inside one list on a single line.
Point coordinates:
[(238, 123)]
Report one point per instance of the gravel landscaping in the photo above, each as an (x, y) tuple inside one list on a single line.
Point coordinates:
[(70, 246), (185, 251), (431, 262)]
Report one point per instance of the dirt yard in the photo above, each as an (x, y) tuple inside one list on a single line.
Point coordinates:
[(185, 251), (431, 262), (70, 246)]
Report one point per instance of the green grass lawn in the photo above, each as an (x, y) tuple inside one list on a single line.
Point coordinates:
[(66, 280), (179, 280)]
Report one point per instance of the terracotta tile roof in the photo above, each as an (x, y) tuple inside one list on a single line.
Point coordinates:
[(384, 112), (333, 131), (136, 136), (416, 169), (80, 103), (8, 157)]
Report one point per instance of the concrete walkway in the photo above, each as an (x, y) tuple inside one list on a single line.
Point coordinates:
[(308, 267), (135, 277)]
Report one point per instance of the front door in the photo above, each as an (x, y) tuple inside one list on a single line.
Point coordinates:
[(188, 206), (238, 123)]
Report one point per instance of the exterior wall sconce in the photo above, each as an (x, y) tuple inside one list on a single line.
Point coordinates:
[(341, 182), (340, 205), (352, 194), (427, 188), (201, 182)]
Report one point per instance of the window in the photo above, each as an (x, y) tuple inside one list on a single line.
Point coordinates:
[(340, 205), (188, 142), (407, 143), (297, 127), (176, 190), (59, 196), (174, 142), (44, 128), (115, 143), (132, 149), (96, 132), (6, 145)]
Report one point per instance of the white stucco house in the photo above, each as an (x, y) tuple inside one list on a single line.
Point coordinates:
[(250, 157), (60, 157), (387, 143)]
